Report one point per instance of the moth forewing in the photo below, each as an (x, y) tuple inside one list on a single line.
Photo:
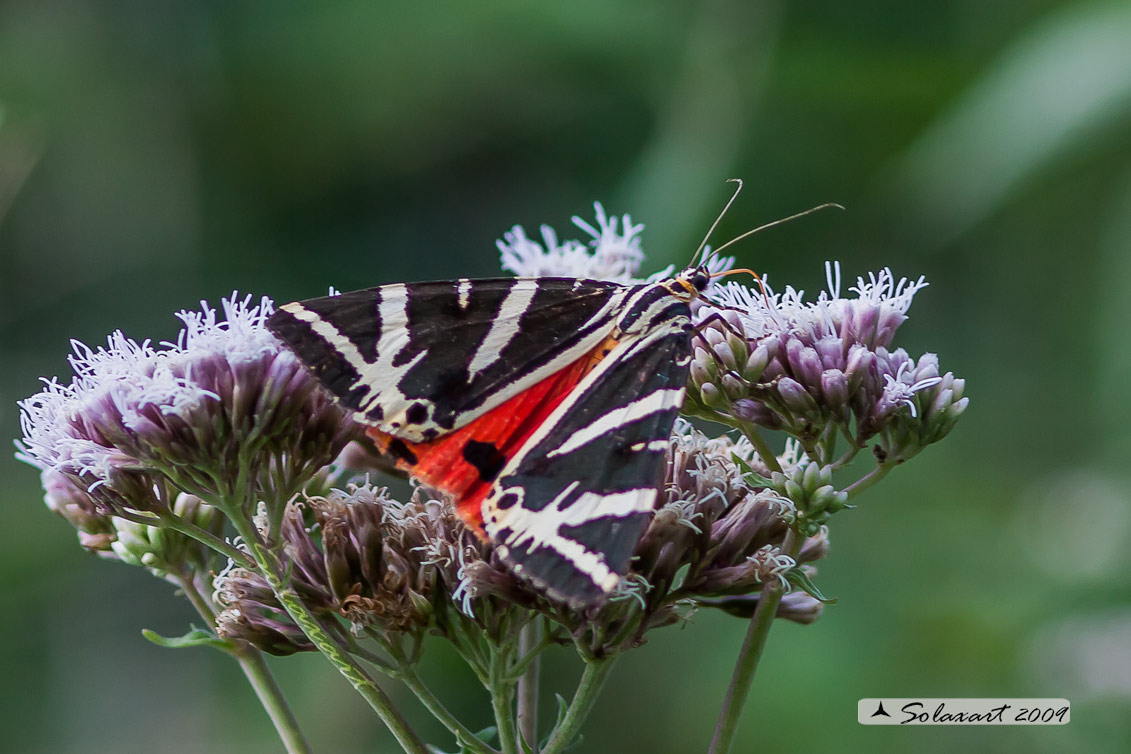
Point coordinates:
[(544, 405), (418, 360), (569, 508)]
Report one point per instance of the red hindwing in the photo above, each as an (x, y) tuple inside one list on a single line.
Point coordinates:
[(465, 463)]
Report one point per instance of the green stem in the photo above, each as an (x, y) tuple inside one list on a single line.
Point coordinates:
[(270, 568), (502, 694), (469, 649), (529, 643), (271, 697), (750, 653), (404, 670), (346, 665), (868, 480), (760, 445), (464, 736), (258, 675), (592, 680)]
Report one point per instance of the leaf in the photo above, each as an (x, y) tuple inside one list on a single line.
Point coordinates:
[(750, 475), (563, 707), (801, 580), (487, 735), (197, 637)]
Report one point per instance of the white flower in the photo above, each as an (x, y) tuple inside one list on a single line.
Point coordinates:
[(900, 390), (879, 307), (224, 389), (613, 252)]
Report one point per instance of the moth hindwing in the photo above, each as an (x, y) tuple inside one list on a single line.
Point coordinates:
[(543, 406)]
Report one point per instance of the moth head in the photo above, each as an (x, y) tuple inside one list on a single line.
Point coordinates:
[(691, 282)]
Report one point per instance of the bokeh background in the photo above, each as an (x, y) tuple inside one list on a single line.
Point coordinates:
[(155, 154)]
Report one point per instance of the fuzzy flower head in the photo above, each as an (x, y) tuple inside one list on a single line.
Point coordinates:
[(613, 252), (782, 362), (223, 402), (361, 557)]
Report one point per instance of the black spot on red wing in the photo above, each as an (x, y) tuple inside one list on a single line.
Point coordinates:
[(506, 501), (416, 413), (485, 457), (402, 452)]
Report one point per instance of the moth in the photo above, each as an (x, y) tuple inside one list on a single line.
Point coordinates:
[(544, 406)]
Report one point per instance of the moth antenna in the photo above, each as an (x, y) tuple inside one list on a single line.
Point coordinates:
[(703, 243), (765, 296), (811, 210)]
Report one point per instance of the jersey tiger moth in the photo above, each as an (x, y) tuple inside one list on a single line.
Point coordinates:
[(542, 405)]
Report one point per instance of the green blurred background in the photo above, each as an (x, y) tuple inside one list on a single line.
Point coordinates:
[(154, 154)]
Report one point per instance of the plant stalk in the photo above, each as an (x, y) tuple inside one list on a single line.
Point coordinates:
[(258, 675), (271, 697), (502, 698), (750, 653), (378, 700), (592, 680), (529, 641), (868, 480), (464, 736)]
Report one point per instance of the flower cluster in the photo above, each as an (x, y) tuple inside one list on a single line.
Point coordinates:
[(403, 567), (224, 413), (612, 253), (824, 368), (157, 454), (164, 552)]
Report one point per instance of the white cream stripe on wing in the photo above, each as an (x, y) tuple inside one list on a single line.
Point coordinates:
[(654, 402), (381, 375), (628, 344), (503, 328), (329, 333), (542, 527)]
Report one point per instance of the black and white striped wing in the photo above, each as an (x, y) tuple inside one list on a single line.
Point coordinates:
[(418, 360), (568, 509)]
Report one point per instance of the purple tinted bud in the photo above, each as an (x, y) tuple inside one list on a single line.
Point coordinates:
[(796, 398), (712, 396), (831, 351), (73, 504), (755, 412), (796, 606), (699, 373), (756, 364), (834, 386), (733, 387), (725, 354), (804, 363), (859, 366), (926, 367), (713, 335), (815, 547)]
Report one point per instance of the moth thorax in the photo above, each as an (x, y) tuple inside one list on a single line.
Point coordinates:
[(651, 306)]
